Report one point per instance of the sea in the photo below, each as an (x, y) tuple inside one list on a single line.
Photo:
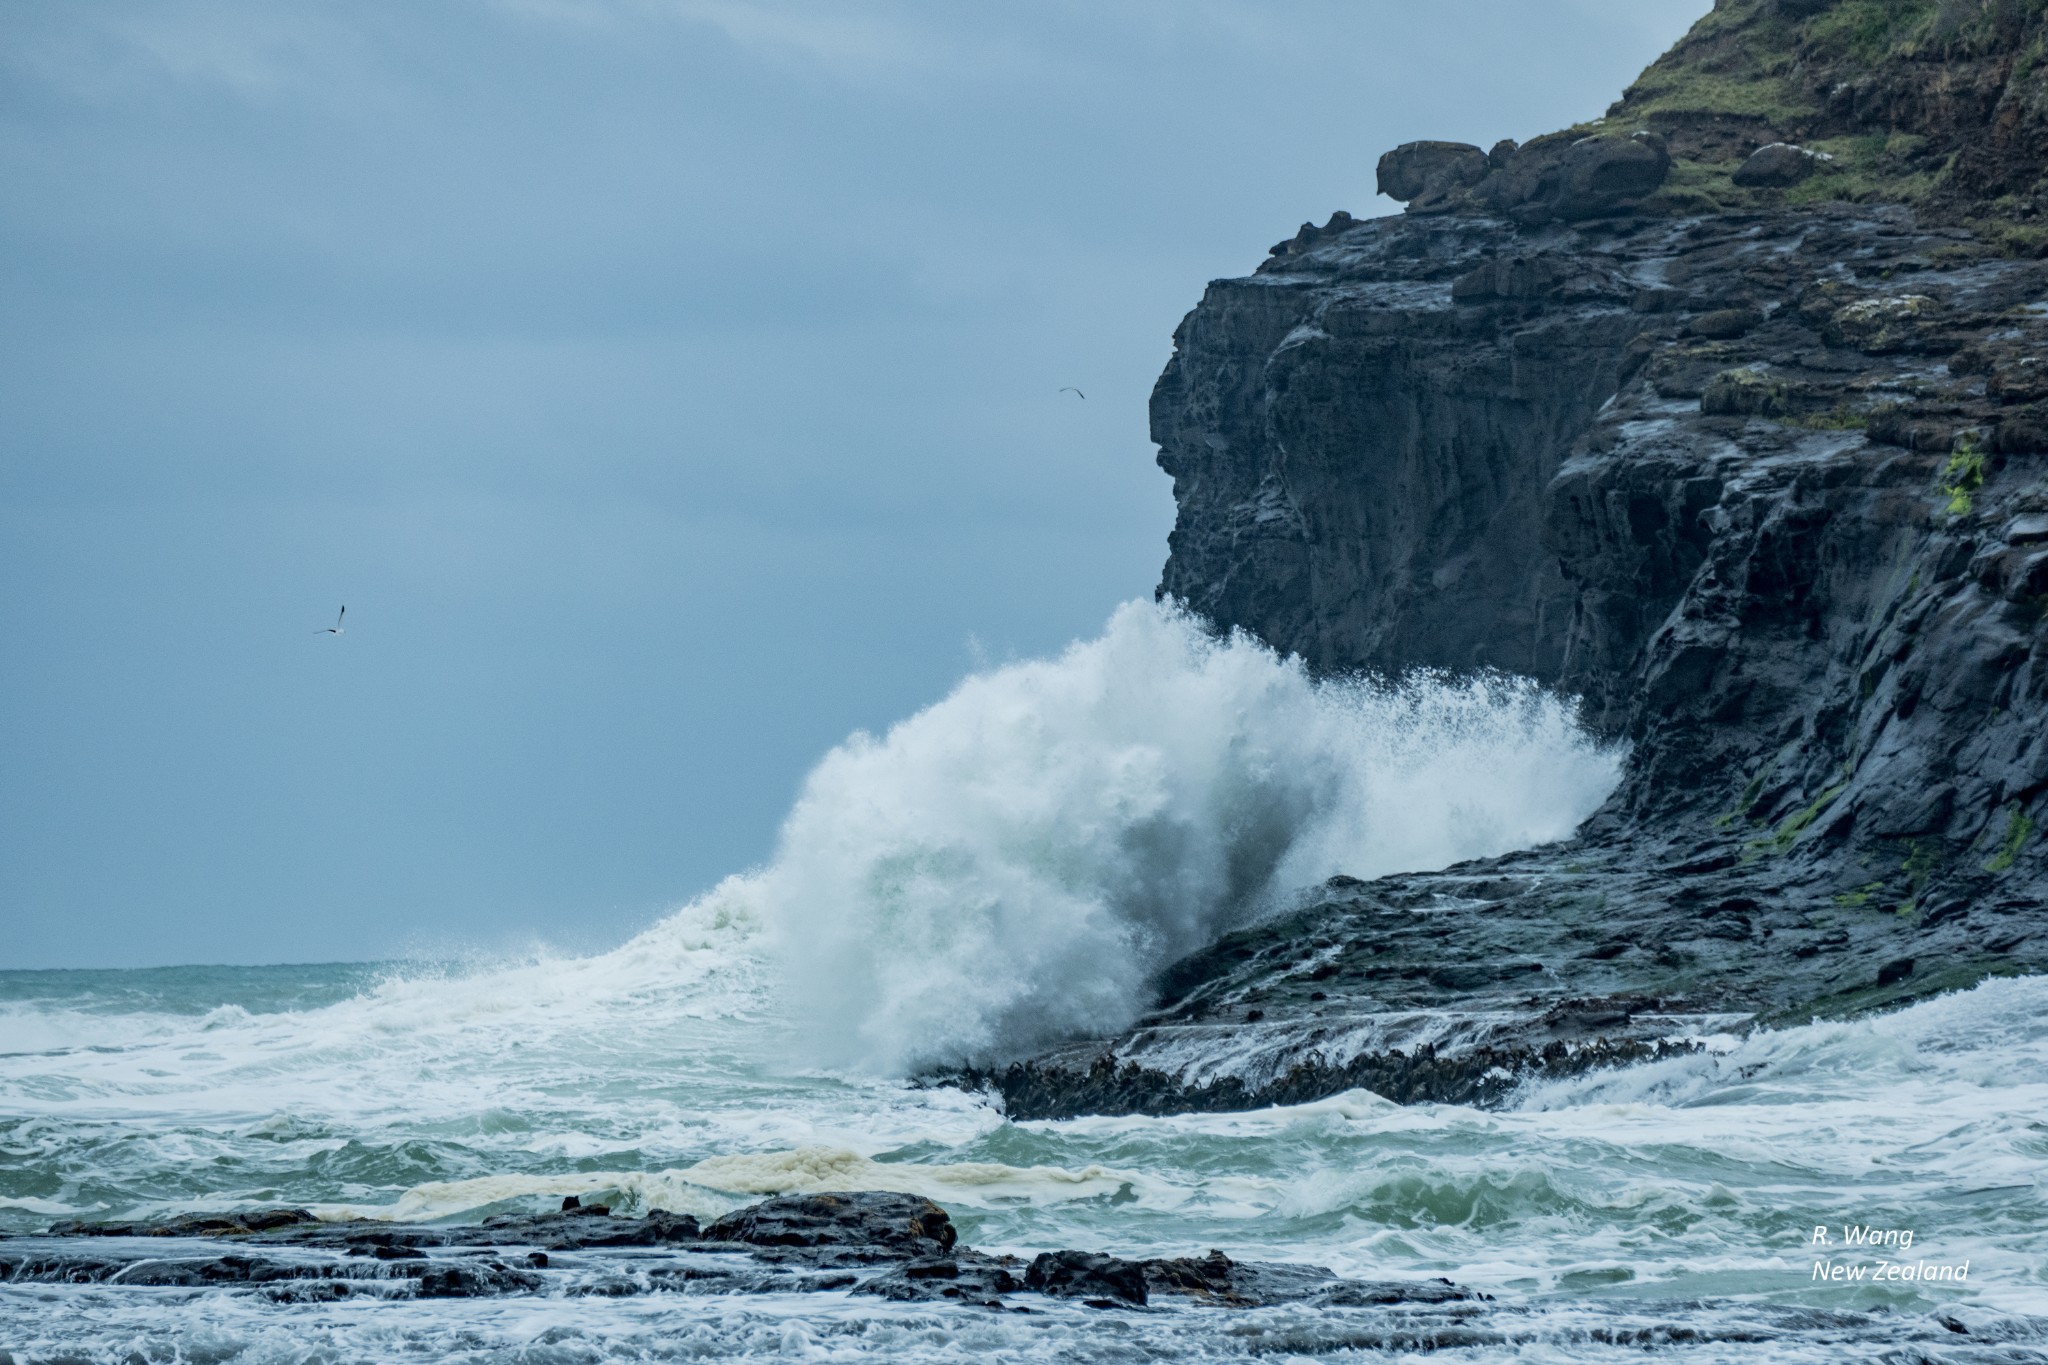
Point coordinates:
[(1006, 869)]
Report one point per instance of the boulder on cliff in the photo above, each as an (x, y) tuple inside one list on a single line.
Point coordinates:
[(1427, 170), (1557, 178), (1776, 165), (1598, 175)]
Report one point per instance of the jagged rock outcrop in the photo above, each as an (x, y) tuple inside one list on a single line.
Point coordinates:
[(1760, 473)]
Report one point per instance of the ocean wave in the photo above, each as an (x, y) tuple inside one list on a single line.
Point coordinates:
[(1991, 1037), (1013, 864)]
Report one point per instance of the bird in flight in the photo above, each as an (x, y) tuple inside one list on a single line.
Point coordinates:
[(1074, 391), (334, 629)]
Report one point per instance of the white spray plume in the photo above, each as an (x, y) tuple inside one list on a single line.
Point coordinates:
[(1013, 864)]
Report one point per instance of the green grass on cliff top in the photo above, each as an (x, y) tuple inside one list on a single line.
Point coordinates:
[(1748, 60), (1749, 66)]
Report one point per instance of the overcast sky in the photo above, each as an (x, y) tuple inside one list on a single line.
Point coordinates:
[(669, 388)]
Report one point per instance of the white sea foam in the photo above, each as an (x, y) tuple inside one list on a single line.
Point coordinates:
[(1989, 1040), (719, 1184), (1010, 865)]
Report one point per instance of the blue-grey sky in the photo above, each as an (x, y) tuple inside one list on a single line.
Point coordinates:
[(669, 387)]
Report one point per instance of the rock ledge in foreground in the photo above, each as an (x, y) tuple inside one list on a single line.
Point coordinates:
[(894, 1246)]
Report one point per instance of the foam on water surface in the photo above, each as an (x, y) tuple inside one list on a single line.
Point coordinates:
[(1011, 865), (1004, 867), (719, 1184)]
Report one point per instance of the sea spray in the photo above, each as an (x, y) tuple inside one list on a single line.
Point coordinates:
[(1011, 865)]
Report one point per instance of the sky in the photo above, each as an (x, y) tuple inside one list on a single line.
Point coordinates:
[(669, 388)]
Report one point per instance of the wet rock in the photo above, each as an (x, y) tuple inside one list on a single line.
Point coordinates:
[(1357, 1294), (898, 1223), (1216, 1279), (465, 1280), (658, 1228), (407, 1273), (1726, 324), (2024, 432), (1092, 1278), (1779, 165), (969, 1277), (1880, 326), (891, 1246), (1209, 1279), (1513, 277), (571, 1229), (2031, 529), (1748, 393), (391, 1253), (236, 1224), (2020, 382)]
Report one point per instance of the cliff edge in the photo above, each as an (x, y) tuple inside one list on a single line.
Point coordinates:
[(1727, 412)]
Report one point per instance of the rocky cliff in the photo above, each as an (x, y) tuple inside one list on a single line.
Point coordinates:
[(1728, 412)]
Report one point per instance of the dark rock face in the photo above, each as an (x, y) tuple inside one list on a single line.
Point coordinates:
[(1768, 490), (1738, 481), (1085, 1275), (1433, 438), (898, 1223), (893, 1246)]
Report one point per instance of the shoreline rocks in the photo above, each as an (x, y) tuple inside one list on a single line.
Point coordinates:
[(898, 1247)]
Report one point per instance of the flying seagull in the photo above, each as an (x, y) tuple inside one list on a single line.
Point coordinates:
[(1074, 391), (334, 629)]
